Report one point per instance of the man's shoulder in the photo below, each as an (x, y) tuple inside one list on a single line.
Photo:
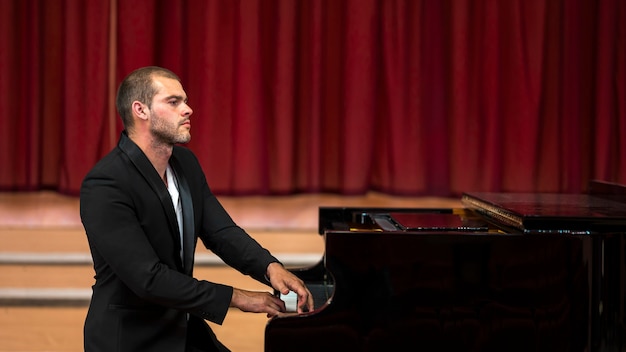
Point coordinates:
[(114, 157), (111, 165)]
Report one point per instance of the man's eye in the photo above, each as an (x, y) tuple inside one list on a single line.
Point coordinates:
[(174, 102)]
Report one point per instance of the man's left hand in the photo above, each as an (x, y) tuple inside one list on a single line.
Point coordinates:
[(284, 281)]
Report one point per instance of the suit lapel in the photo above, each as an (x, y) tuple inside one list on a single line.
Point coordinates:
[(188, 223), (147, 170)]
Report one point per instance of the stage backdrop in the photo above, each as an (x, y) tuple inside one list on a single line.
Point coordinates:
[(411, 97)]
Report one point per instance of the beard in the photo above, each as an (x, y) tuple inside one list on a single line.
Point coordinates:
[(166, 132)]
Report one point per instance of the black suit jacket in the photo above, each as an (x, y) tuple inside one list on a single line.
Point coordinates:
[(144, 292)]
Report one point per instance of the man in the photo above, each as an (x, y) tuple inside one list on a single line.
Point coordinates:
[(144, 206)]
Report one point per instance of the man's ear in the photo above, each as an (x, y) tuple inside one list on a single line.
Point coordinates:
[(140, 110)]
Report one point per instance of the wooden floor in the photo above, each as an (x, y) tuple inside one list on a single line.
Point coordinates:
[(44, 256)]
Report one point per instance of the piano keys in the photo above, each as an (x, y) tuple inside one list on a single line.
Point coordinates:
[(395, 279)]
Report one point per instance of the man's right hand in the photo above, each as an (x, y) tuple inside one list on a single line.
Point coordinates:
[(257, 302)]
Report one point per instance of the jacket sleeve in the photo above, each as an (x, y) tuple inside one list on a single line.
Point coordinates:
[(231, 243), (220, 234)]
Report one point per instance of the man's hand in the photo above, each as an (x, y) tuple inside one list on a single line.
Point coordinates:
[(284, 281), (257, 302)]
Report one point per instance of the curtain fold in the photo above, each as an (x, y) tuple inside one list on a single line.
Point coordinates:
[(85, 95), (410, 97)]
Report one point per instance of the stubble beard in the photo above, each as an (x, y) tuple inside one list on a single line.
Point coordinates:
[(169, 134), (171, 138), (165, 133)]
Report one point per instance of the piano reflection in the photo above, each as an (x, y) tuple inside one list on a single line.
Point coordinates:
[(508, 272)]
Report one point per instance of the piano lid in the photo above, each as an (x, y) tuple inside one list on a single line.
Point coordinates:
[(550, 212)]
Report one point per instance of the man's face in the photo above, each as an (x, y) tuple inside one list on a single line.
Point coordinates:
[(170, 113)]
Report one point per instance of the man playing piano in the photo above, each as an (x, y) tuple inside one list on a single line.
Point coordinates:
[(144, 206)]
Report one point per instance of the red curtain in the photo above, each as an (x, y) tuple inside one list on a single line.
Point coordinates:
[(53, 93), (405, 97)]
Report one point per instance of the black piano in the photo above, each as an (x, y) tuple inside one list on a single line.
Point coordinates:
[(507, 272)]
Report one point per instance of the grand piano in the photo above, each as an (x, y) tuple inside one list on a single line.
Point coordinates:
[(506, 272)]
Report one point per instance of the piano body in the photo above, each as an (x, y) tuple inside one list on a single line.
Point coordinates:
[(508, 272)]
